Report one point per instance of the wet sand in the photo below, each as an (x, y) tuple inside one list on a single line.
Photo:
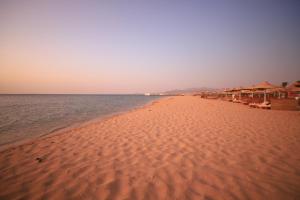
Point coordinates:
[(175, 148)]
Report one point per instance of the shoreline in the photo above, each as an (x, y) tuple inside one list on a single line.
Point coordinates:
[(77, 125), (172, 148), (62, 130)]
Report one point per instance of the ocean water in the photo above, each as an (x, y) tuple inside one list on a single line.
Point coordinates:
[(27, 116)]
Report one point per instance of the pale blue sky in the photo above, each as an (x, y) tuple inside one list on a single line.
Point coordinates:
[(140, 46)]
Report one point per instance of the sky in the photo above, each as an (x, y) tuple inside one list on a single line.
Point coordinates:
[(141, 46)]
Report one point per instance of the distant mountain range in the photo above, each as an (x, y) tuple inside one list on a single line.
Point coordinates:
[(191, 90)]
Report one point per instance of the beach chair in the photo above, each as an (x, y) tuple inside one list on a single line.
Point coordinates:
[(265, 105), (236, 101), (244, 102), (253, 105)]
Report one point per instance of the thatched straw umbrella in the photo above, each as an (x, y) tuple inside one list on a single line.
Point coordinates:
[(294, 88), (247, 90), (263, 86), (279, 91), (227, 92), (236, 90)]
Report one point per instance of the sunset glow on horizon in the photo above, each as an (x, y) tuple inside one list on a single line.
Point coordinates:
[(146, 46)]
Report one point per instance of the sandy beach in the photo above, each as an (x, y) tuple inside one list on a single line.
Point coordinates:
[(176, 148)]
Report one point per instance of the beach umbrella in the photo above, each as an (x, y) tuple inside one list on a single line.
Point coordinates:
[(239, 90), (227, 91), (265, 95), (248, 90), (230, 91), (235, 91), (264, 86), (294, 87), (278, 90)]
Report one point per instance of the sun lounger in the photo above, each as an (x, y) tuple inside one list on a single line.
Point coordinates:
[(236, 101), (253, 105), (244, 102), (265, 105)]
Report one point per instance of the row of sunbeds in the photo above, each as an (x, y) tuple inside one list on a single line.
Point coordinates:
[(263, 105)]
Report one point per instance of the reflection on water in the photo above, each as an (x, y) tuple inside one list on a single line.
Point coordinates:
[(25, 116)]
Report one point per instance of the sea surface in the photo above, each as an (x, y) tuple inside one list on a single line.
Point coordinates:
[(28, 116)]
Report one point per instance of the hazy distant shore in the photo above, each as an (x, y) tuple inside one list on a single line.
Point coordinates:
[(174, 148)]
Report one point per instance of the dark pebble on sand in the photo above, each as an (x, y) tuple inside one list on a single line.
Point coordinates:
[(39, 160)]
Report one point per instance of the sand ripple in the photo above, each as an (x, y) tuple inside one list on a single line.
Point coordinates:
[(176, 148)]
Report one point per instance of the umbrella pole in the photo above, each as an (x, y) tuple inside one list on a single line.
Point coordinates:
[(265, 96)]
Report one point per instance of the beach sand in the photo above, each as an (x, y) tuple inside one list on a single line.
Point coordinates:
[(175, 148)]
